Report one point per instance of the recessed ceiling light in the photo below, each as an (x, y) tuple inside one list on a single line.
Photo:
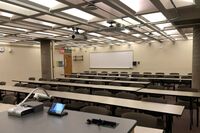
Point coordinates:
[(95, 34), (48, 24), (145, 38), (104, 23), (171, 32), (111, 38), (80, 14), (126, 31), (138, 5), (45, 33), (155, 33), (132, 21), (163, 26), (136, 35), (155, 17), (47, 3), (5, 14)]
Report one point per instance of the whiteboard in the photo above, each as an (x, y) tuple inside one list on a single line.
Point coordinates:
[(122, 59)]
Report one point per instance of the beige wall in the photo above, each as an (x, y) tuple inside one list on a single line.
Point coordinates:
[(21, 63), (166, 57)]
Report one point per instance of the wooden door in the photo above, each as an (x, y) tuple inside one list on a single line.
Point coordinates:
[(68, 63)]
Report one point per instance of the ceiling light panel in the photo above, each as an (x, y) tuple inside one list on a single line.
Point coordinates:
[(155, 17), (132, 21), (171, 32), (56, 20), (140, 5), (40, 22), (16, 9), (95, 34), (109, 9), (80, 14), (136, 35), (13, 28), (126, 31), (179, 3), (164, 26), (47, 3), (111, 38), (5, 14)]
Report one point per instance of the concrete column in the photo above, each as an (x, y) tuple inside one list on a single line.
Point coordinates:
[(46, 58), (196, 58)]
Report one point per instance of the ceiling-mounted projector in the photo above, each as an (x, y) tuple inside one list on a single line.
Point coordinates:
[(79, 37)]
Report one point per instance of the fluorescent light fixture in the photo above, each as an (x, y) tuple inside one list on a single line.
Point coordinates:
[(132, 21), (155, 17), (126, 31), (8, 27), (46, 3), (45, 33), (111, 38), (178, 3), (48, 24), (136, 5), (121, 40), (136, 35), (40, 22), (163, 26), (145, 38), (155, 33), (95, 34), (171, 32), (78, 13), (5, 14)]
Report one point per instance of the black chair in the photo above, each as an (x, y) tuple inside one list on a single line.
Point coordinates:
[(136, 74), (159, 74), (147, 74), (145, 120), (96, 110), (126, 95), (82, 90), (157, 87), (47, 87), (114, 74), (2, 83), (31, 78), (97, 82), (9, 99), (64, 88), (102, 93), (124, 74), (43, 79), (32, 85)]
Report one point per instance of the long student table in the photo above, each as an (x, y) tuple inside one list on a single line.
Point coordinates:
[(106, 81), (191, 95), (167, 109), (90, 86), (137, 129)]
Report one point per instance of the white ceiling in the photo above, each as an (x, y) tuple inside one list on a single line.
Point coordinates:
[(100, 21)]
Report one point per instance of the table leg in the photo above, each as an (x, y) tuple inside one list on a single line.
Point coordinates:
[(169, 120), (191, 113), (0, 95), (197, 112)]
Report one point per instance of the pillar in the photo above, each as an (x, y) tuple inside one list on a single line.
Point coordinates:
[(196, 58), (46, 58)]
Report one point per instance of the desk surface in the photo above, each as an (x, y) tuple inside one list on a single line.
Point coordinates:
[(106, 80), (134, 104), (74, 122), (5, 107), (106, 87), (171, 92)]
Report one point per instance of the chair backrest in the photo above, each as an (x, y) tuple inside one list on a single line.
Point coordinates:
[(147, 73), (173, 73), (31, 78), (154, 99), (126, 95), (54, 80), (97, 82), (63, 88), (159, 87), (136, 74), (160, 73), (43, 79), (96, 110), (124, 74), (31, 85), (186, 77), (2, 83), (47, 87), (115, 84), (137, 85), (144, 119), (190, 74), (102, 93), (9, 99), (82, 90)]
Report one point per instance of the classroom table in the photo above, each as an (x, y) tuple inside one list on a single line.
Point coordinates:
[(191, 95), (137, 129), (74, 122), (107, 81), (167, 109), (90, 86)]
